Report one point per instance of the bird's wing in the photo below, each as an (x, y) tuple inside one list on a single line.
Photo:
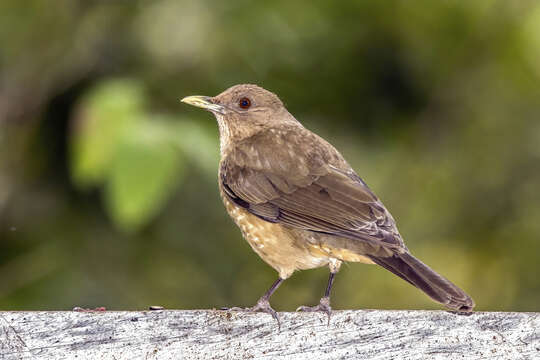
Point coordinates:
[(295, 178)]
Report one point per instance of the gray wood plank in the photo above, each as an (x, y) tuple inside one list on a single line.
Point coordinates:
[(213, 334)]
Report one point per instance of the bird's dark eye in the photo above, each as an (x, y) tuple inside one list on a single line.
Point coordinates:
[(244, 103)]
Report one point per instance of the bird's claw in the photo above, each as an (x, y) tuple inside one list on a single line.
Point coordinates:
[(261, 306), (323, 306)]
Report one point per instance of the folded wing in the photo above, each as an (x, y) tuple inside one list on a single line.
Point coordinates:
[(297, 179)]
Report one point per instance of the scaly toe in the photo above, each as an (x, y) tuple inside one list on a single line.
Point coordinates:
[(261, 306), (264, 306), (324, 306)]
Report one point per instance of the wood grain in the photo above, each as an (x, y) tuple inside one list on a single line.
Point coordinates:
[(212, 334)]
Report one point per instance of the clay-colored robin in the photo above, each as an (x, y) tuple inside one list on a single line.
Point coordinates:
[(300, 205)]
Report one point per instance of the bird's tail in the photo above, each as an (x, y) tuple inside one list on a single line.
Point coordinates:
[(423, 277)]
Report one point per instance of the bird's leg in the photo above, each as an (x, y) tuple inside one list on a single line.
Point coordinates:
[(262, 304), (324, 303)]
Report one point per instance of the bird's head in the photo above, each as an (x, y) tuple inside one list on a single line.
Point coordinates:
[(243, 110)]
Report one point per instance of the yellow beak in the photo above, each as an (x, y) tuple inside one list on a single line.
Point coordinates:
[(204, 102)]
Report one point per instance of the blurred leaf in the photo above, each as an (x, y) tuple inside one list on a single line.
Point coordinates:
[(136, 155), (104, 115), (198, 145), (143, 173), (531, 32)]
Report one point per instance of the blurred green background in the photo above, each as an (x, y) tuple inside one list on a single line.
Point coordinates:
[(108, 188)]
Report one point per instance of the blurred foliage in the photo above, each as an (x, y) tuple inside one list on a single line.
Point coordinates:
[(108, 191), (136, 155)]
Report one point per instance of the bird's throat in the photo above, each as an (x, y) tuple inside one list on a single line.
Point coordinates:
[(224, 133)]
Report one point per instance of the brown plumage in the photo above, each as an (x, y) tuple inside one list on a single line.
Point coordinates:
[(299, 204)]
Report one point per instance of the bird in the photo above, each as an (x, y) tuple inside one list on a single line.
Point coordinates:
[(300, 205)]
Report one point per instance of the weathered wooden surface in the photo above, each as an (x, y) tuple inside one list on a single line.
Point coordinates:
[(210, 334)]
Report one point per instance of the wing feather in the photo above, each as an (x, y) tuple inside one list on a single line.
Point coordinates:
[(305, 184)]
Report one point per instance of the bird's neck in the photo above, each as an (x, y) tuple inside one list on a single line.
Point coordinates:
[(229, 134), (224, 134), (232, 131)]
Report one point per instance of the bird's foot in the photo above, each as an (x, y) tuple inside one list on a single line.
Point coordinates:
[(262, 306), (324, 306)]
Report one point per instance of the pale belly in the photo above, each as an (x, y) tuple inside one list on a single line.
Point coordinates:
[(277, 246)]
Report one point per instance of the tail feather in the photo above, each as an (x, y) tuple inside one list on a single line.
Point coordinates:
[(423, 277)]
